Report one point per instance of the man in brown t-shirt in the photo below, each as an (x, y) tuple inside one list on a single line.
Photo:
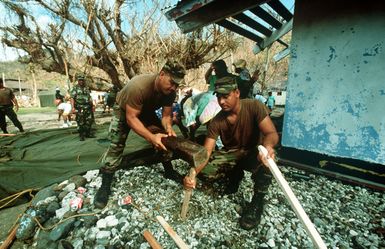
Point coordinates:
[(7, 101), (135, 109), (241, 125)]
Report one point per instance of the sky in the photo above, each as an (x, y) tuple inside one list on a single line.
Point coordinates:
[(9, 54)]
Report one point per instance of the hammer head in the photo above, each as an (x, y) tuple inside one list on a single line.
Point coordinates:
[(187, 150)]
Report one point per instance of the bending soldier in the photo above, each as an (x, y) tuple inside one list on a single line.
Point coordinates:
[(135, 109)]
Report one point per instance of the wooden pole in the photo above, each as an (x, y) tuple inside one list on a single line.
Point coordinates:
[(178, 241), (151, 240), (8, 241), (187, 196), (309, 226)]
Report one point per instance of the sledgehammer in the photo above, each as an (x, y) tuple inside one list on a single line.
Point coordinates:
[(309, 227)]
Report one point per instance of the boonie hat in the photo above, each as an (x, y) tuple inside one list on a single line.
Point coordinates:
[(241, 63), (225, 85), (176, 71)]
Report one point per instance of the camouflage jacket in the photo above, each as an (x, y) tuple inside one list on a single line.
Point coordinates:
[(81, 96)]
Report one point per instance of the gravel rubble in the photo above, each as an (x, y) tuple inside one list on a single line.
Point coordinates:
[(346, 216)]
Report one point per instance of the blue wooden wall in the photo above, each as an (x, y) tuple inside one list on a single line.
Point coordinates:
[(336, 90)]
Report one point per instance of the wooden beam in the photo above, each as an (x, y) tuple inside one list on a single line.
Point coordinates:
[(280, 9), (282, 54), (264, 15), (191, 15), (274, 36), (253, 24), (239, 30)]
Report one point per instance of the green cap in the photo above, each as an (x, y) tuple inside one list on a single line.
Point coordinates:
[(225, 85), (176, 71)]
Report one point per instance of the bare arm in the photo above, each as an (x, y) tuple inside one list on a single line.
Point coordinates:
[(133, 121), (270, 138), (14, 100), (208, 74), (209, 145), (167, 120)]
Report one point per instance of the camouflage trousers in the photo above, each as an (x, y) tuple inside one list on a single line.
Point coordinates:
[(118, 133), (10, 113), (230, 164), (84, 119)]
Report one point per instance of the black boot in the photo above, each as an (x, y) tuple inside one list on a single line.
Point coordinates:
[(171, 174), (251, 216), (81, 136), (101, 197)]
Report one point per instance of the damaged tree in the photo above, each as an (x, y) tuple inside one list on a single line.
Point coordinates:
[(114, 44)]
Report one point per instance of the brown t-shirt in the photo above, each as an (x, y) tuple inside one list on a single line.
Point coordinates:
[(244, 133), (6, 96), (140, 94)]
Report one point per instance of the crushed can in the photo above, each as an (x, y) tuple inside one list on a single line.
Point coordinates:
[(76, 204), (124, 201), (81, 190)]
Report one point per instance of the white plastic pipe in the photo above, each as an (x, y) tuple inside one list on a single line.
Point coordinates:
[(309, 226)]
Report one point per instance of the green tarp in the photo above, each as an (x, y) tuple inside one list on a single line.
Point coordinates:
[(40, 158)]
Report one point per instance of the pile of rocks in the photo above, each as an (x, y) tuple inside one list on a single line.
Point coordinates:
[(346, 216)]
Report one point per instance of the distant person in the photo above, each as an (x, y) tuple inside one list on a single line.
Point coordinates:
[(244, 79), (7, 102), (217, 70), (260, 98), (110, 99), (176, 118), (83, 107), (199, 109), (270, 102), (257, 86), (58, 97), (64, 109), (135, 109)]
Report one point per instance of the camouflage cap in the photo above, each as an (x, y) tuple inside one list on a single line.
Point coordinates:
[(176, 71), (80, 77), (225, 85)]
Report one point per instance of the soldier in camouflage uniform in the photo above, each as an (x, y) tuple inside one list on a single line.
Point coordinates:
[(135, 109), (242, 125), (82, 105)]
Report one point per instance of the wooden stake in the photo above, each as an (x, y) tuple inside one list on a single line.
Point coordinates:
[(187, 196), (178, 241), (309, 226), (12, 235), (151, 240)]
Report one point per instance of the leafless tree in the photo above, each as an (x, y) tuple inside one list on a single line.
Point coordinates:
[(107, 41)]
